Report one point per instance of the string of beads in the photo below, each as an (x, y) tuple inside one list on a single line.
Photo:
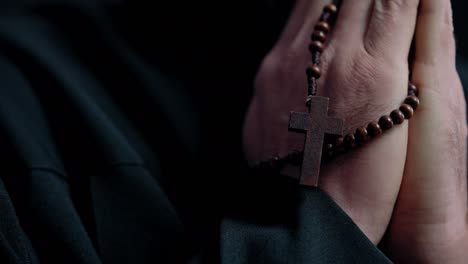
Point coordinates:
[(374, 129), (316, 47), (363, 134)]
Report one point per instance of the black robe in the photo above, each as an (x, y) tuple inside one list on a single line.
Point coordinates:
[(120, 141)]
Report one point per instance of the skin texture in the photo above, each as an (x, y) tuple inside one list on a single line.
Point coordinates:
[(418, 168), (429, 223)]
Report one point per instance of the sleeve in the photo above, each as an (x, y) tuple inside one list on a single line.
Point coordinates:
[(282, 222), (15, 247)]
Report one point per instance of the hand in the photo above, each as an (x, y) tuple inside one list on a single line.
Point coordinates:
[(365, 75), (429, 224)]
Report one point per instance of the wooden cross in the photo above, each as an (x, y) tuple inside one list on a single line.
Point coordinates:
[(316, 123)]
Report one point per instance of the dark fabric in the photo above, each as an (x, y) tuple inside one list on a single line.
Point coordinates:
[(120, 140), (294, 225)]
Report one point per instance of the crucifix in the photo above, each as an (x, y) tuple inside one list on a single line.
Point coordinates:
[(316, 123)]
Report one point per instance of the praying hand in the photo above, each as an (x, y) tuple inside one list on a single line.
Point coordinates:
[(405, 189)]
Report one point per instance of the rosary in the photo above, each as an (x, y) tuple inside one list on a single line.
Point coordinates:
[(316, 123)]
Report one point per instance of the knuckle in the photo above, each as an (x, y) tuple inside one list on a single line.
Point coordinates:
[(385, 12), (396, 7), (388, 13), (268, 67), (276, 64), (363, 77)]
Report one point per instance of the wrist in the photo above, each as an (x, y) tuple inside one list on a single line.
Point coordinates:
[(447, 243), (371, 221)]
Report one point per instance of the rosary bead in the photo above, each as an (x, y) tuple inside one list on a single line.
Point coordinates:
[(314, 71), (319, 36), (412, 101), (350, 141), (373, 128), (316, 46), (323, 26), (328, 150), (412, 89), (340, 144), (325, 16), (331, 8), (398, 117), (385, 122), (362, 135), (407, 111)]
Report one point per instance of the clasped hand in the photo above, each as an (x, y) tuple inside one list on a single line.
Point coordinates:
[(408, 188)]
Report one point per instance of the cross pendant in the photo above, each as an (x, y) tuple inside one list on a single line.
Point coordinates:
[(316, 123)]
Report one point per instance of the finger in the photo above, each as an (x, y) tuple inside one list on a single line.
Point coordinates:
[(435, 43), (435, 74), (435, 52), (298, 29), (433, 190), (391, 28), (440, 124), (352, 21)]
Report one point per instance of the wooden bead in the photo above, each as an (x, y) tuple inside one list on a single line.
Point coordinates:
[(412, 101), (331, 8), (314, 71), (398, 117), (373, 128), (328, 150), (325, 16), (407, 111), (319, 36), (350, 141), (340, 145), (316, 46), (362, 135), (412, 89), (323, 26), (386, 122)]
